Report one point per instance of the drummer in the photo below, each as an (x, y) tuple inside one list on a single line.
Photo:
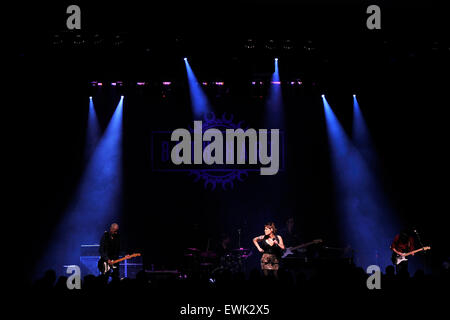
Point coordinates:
[(223, 247)]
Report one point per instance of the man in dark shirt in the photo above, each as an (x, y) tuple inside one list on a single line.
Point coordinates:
[(110, 248), (290, 234), (224, 246), (403, 243)]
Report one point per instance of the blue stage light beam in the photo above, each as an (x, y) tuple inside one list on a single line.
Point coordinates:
[(366, 220), (361, 136), (274, 117), (199, 100), (92, 132), (96, 203)]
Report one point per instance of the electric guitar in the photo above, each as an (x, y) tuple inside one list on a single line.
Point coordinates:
[(291, 250), (396, 258), (104, 267)]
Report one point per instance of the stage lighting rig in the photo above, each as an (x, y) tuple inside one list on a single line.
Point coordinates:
[(250, 44), (287, 45), (57, 40), (79, 40), (270, 45), (116, 84), (309, 46), (97, 40), (118, 40)]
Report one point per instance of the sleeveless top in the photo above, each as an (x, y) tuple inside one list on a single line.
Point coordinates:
[(274, 249)]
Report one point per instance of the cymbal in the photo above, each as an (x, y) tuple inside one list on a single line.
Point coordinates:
[(193, 249), (208, 254), (240, 250), (188, 254)]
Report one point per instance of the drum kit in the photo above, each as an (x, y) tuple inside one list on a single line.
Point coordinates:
[(234, 261), (211, 263)]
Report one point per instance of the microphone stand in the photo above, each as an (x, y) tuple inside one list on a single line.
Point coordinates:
[(421, 245), (240, 253), (418, 238), (239, 238)]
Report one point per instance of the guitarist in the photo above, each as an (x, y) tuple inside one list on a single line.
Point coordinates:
[(110, 248), (290, 234), (402, 244)]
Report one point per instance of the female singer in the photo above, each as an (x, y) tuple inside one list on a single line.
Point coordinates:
[(271, 247)]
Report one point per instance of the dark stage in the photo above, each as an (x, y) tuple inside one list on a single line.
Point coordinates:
[(359, 155)]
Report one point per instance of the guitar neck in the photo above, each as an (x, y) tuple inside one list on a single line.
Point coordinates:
[(121, 259), (302, 245), (415, 251)]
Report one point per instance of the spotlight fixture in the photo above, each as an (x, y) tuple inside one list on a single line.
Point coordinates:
[(79, 41), (57, 40), (287, 45), (118, 40), (97, 39), (250, 44), (309, 46), (435, 46), (270, 45)]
